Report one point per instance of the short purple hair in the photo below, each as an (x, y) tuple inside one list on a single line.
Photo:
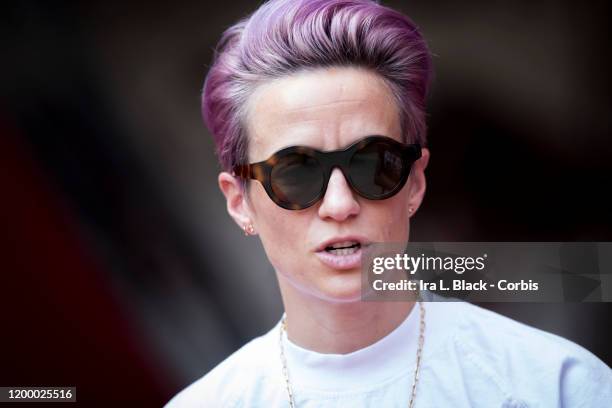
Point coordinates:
[(283, 37)]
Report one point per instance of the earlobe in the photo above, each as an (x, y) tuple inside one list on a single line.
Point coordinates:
[(236, 204)]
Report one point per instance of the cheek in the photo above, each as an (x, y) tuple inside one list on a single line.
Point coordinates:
[(391, 218), (275, 225)]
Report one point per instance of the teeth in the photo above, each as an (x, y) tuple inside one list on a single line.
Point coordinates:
[(344, 244), (343, 251)]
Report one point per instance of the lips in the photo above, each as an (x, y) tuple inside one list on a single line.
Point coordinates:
[(342, 253)]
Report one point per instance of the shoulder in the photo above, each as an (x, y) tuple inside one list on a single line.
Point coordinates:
[(523, 360), (495, 334), (223, 385)]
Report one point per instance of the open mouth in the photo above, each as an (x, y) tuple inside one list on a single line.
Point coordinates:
[(342, 253), (343, 248)]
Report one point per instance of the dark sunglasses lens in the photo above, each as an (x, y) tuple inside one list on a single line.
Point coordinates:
[(377, 169), (297, 179)]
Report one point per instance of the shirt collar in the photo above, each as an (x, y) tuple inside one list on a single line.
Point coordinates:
[(383, 360)]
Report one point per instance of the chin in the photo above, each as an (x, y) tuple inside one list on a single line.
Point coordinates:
[(341, 289)]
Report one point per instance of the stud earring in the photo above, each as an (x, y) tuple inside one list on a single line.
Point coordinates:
[(410, 210), (248, 229)]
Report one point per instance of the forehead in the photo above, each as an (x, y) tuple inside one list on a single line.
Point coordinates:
[(326, 109)]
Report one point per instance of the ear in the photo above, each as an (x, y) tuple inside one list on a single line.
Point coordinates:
[(417, 182), (235, 196)]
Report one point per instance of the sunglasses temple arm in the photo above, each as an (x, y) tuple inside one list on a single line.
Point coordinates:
[(415, 152), (255, 171), (242, 171)]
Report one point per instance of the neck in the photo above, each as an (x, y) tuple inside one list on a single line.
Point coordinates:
[(338, 327)]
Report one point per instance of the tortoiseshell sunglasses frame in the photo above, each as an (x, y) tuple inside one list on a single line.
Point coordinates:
[(328, 160)]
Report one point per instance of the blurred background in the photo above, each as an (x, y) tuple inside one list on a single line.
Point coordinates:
[(121, 271)]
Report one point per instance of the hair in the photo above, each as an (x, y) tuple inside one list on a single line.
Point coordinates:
[(284, 37)]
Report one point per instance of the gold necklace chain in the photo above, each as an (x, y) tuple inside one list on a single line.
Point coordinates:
[(283, 328)]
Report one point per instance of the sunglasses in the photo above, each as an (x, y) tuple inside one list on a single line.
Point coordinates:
[(296, 177)]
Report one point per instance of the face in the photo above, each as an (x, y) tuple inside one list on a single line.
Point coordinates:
[(326, 109)]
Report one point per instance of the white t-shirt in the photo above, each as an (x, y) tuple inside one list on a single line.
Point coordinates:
[(472, 357)]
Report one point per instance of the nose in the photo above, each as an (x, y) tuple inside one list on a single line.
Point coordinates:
[(339, 202)]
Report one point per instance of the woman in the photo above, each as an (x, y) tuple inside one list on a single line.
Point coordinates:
[(317, 110)]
